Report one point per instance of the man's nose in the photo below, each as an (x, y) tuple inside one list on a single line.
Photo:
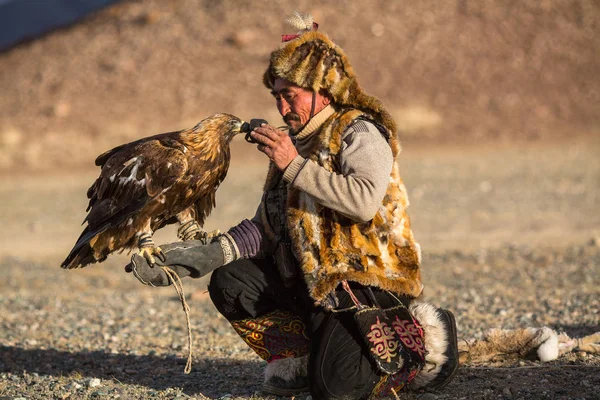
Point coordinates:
[(284, 107)]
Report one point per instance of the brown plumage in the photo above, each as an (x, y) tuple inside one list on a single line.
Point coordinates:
[(151, 182)]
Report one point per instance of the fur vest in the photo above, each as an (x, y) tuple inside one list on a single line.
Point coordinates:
[(331, 248)]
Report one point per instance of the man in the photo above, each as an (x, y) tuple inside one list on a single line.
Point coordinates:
[(322, 282)]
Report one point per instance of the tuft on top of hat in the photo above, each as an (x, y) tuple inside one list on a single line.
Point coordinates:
[(302, 23)]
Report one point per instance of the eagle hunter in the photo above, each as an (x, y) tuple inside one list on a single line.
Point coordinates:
[(149, 183)]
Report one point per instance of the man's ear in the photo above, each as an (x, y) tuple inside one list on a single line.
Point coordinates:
[(326, 97)]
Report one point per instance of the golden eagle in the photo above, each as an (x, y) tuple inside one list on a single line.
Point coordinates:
[(149, 183)]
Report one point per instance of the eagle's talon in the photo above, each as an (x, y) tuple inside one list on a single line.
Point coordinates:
[(149, 252), (161, 255)]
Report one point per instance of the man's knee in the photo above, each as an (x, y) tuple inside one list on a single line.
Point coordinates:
[(224, 289)]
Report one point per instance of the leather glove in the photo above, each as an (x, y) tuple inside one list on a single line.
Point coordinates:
[(190, 258)]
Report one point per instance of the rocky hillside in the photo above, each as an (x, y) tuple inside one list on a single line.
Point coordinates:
[(456, 70)]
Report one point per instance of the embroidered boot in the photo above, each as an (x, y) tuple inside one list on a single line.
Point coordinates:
[(441, 344), (286, 377)]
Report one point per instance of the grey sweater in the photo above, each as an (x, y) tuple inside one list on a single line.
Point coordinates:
[(357, 192)]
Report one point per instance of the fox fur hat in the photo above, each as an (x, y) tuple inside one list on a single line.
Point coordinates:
[(312, 61)]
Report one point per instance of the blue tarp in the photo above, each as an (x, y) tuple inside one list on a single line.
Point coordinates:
[(22, 20)]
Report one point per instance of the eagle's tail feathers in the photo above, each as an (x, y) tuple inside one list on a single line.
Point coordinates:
[(85, 256), (82, 253)]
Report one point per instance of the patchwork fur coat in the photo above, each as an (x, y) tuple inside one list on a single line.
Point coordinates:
[(331, 248)]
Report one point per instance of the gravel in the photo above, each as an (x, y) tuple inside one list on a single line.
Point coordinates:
[(79, 334)]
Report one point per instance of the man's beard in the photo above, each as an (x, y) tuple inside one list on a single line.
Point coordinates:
[(290, 117)]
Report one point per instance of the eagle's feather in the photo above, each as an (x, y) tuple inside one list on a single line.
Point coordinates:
[(146, 184)]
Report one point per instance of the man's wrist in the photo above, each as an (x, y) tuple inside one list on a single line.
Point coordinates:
[(293, 169), (229, 247)]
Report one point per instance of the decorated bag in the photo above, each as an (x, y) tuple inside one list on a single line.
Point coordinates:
[(394, 338)]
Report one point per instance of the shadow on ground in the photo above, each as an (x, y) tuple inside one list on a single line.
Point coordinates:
[(242, 378), (155, 372), (574, 331)]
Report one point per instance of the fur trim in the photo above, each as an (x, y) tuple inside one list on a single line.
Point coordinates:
[(287, 368), (436, 342), (543, 343), (548, 348)]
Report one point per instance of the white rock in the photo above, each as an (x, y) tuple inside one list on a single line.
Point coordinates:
[(93, 382)]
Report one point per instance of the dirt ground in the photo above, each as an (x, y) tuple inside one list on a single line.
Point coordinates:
[(498, 108), (511, 239)]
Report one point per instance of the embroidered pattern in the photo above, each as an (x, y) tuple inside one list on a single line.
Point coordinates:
[(279, 334), (397, 382), (229, 253), (410, 334), (384, 344)]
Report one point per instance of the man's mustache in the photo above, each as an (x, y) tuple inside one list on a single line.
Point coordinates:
[(289, 117)]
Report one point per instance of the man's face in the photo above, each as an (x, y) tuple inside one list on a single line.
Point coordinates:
[(294, 103)]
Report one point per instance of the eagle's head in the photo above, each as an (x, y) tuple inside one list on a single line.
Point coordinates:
[(218, 127), (230, 125)]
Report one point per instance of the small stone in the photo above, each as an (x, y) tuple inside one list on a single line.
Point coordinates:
[(93, 382), (506, 392), (428, 396), (74, 386)]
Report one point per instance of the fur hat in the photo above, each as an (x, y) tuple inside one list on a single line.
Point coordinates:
[(312, 61)]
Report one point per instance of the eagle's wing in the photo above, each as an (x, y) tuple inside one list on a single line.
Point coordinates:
[(103, 158), (132, 176)]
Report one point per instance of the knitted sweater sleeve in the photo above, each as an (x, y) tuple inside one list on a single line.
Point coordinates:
[(366, 163), (252, 239)]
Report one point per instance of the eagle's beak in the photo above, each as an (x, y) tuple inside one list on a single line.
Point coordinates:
[(245, 127), (239, 127)]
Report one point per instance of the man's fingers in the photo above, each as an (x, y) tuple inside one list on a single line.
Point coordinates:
[(270, 132), (262, 138), (265, 149)]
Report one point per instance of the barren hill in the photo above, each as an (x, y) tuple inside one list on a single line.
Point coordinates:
[(455, 70)]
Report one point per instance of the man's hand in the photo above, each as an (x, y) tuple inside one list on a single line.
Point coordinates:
[(276, 144)]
